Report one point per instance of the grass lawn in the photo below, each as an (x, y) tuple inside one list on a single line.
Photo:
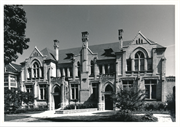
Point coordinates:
[(8, 117)]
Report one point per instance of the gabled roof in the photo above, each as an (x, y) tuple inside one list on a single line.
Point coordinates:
[(12, 67), (158, 45), (50, 55), (97, 49), (17, 66)]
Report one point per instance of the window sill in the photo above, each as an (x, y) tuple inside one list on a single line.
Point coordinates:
[(41, 100), (150, 99)]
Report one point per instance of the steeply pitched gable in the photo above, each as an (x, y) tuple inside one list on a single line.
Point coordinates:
[(50, 55), (36, 53)]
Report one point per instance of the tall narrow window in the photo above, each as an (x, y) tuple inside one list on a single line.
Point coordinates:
[(71, 73), (92, 68), (150, 86), (36, 69), (95, 91), (43, 92), (149, 61), (74, 91), (139, 61), (128, 64), (78, 67)]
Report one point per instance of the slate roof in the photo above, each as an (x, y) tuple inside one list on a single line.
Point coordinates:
[(98, 49), (50, 54), (158, 45), (13, 67), (17, 66)]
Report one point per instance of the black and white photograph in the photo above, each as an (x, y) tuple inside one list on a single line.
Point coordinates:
[(89, 63)]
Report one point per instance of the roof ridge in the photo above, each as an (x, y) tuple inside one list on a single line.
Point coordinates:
[(94, 45)]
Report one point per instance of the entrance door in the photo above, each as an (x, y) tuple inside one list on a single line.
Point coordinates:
[(108, 98), (108, 102), (57, 97)]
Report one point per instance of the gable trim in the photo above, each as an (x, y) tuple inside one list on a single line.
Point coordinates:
[(139, 33), (35, 48), (13, 67)]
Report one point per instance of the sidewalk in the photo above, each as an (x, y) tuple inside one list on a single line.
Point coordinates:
[(79, 116), (50, 114)]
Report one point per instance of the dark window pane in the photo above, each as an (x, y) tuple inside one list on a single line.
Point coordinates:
[(141, 64), (136, 65), (129, 65), (72, 93), (131, 82), (124, 82), (147, 91), (76, 93), (147, 81), (153, 82), (149, 61), (41, 90), (153, 92)]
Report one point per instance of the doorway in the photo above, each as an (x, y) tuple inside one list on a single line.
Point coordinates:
[(57, 97), (108, 98)]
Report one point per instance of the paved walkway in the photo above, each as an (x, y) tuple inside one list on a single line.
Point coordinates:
[(84, 116)]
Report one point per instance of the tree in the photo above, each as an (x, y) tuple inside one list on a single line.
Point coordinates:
[(15, 40)]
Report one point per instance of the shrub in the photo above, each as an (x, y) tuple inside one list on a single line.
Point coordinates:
[(80, 106), (171, 104), (127, 116), (129, 100), (13, 99), (154, 106)]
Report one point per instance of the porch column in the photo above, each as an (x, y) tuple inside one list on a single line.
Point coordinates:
[(100, 104), (95, 69), (32, 74), (103, 69), (108, 68), (45, 72), (35, 93), (63, 72), (68, 72), (62, 95), (58, 73), (132, 64), (73, 69), (40, 72), (50, 95), (145, 64)]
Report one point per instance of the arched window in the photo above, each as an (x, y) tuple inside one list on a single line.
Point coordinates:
[(139, 61), (36, 70)]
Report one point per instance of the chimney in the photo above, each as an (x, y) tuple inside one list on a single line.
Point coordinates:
[(85, 38), (56, 48), (120, 39)]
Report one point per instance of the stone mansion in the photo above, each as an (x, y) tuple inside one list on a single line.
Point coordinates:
[(93, 73)]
